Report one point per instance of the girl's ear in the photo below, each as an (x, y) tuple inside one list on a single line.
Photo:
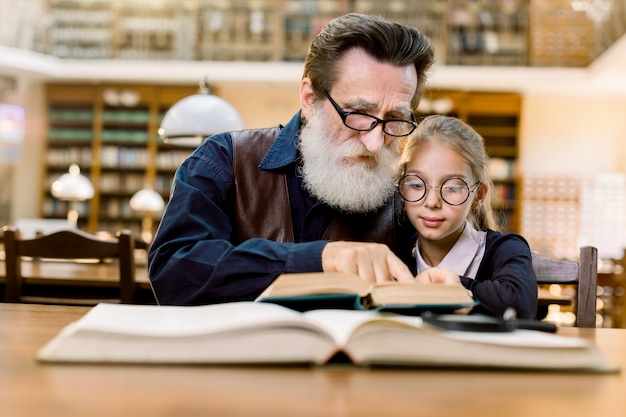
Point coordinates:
[(481, 193)]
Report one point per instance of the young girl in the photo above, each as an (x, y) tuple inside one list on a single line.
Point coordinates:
[(446, 190)]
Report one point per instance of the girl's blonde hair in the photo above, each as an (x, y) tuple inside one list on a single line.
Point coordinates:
[(458, 135)]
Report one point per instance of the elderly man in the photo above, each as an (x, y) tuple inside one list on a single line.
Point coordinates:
[(314, 195)]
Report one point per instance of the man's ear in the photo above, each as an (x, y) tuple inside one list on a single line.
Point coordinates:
[(307, 97)]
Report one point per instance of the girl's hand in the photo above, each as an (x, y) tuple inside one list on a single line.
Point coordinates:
[(438, 276)]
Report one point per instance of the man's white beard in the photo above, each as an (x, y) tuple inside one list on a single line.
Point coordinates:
[(358, 187)]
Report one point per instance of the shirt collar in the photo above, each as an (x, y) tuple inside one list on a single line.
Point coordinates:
[(284, 150), (465, 256)]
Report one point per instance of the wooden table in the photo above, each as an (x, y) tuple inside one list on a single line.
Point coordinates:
[(28, 388), (72, 275), (75, 273)]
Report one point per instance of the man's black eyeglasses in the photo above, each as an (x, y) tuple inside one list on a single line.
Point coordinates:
[(364, 122)]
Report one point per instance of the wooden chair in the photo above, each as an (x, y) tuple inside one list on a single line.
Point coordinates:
[(583, 274), (69, 245)]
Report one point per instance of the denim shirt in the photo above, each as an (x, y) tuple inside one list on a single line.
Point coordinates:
[(192, 261)]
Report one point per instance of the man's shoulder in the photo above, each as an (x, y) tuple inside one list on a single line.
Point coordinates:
[(243, 138), (266, 148), (226, 142)]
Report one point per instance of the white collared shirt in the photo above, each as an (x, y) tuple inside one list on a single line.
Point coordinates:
[(465, 256)]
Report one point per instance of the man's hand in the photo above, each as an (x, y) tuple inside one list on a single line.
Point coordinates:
[(438, 276), (372, 262)]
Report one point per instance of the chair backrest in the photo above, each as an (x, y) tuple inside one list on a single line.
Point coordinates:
[(68, 244), (583, 274)]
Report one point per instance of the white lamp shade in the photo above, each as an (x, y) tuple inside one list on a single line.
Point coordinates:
[(72, 186), (443, 105), (197, 117), (147, 200)]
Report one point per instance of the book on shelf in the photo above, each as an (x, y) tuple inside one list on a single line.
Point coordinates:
[(264, 333), (315, 290)]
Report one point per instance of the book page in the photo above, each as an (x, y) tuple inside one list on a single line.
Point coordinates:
[(341, 324), (315, 283), (243, 332), (176, 321), (520, 338), (419, 294), (404, 346)]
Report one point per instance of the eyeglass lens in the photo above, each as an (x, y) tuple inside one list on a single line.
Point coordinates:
[(365, 122), (453, 191)]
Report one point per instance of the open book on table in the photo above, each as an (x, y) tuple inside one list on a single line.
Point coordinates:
[(335, 290), (264, 333)]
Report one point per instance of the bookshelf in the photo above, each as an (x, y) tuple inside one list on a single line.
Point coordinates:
[(496, 117), (110, 131), (464, 32), (80, 29)]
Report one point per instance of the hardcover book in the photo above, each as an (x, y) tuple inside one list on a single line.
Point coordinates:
[(265, 333), (317, 290)]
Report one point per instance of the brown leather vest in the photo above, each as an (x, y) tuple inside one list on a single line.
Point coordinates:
[(262, 208)]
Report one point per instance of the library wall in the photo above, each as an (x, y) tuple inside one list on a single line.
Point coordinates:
[(572, 160), (262, 104), (29, 171), (572, 134)]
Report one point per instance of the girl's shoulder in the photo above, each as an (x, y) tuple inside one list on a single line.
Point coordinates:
[(510, 239)]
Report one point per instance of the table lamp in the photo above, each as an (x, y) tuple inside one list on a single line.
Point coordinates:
[(72, 187), (148, 202), (192, 119)]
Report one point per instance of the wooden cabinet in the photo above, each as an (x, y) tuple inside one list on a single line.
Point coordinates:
[(496, 117), (110, 131)]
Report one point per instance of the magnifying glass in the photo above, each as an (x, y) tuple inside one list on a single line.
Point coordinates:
[(483, 323)]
